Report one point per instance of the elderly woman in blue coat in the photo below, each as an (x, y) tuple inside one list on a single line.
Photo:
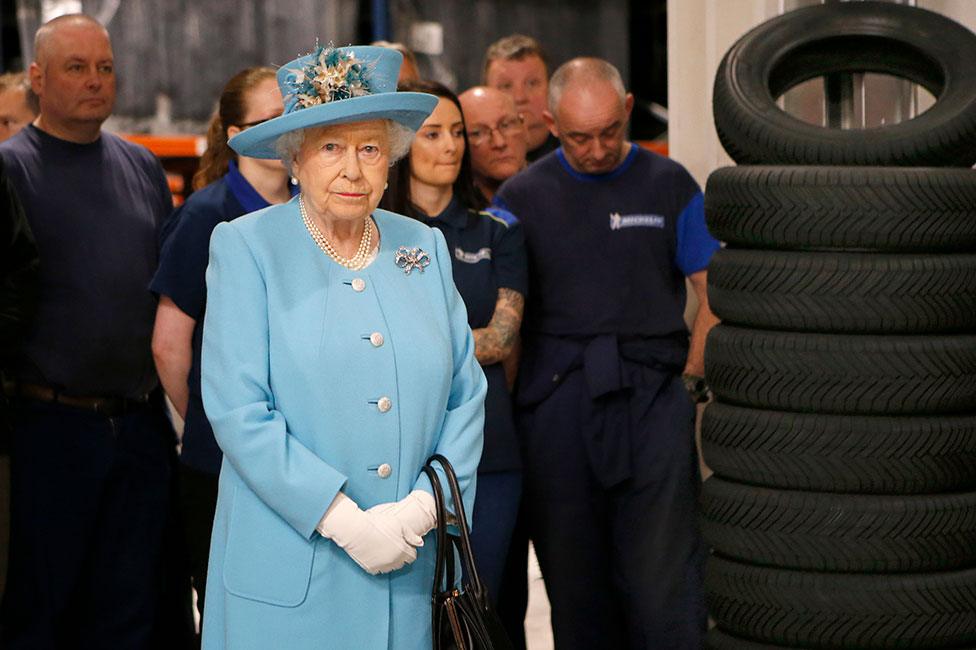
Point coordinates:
[(336, 358)]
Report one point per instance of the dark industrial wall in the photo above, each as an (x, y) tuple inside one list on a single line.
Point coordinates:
[(566, 28), (186, 50), (174, 56)]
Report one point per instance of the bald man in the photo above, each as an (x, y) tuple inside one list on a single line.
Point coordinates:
[(91, 446), (497, 135), (610, 373)]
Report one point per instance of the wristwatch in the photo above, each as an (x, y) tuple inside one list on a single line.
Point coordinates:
[(697, 388)]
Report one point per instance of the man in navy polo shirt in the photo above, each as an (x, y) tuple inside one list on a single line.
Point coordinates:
[(607, 424), (91, 446)]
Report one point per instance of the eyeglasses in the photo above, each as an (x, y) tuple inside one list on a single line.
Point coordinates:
[(256, 122), (481, 133)]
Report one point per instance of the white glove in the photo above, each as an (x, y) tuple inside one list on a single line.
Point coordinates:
[(372, 540), (416, 515)]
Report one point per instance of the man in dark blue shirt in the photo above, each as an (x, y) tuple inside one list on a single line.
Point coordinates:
[(607, 426), (91, 446), (18, 271), (18, 289)]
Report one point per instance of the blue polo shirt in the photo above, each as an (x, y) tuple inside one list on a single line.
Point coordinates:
[(608, 253), (182, 276), (487, 254)]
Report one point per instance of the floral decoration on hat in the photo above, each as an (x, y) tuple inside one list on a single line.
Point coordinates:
[(333, 75)]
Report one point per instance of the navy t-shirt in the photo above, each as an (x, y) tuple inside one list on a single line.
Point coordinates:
[(487, 254), (94, 210), (608, 253), (182, 276)]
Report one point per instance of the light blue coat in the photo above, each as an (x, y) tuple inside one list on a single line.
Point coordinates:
[(291, 384)]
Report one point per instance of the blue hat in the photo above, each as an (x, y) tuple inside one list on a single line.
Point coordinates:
[(335, 85)]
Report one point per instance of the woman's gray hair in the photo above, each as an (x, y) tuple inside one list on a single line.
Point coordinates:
[(401, 137)]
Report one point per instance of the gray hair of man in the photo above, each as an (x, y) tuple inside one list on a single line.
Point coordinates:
[(401, 138), (44, 33), (584, 70)]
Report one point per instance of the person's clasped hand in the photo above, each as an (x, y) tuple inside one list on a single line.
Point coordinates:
[(414, 515), (374, 540)]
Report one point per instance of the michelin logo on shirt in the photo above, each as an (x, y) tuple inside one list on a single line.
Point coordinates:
[(472, 258), (618, 221)]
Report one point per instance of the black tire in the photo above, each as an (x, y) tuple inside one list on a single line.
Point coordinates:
[(840, 453), (717, 639), (820, 531), (844, 292), (843, 208), (842, 610), (924, 47), (834, 373)]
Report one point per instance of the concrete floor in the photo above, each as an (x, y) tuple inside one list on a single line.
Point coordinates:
[(538, 631)]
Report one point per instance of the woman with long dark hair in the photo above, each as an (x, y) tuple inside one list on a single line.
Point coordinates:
[(433, 184), (227, 186)]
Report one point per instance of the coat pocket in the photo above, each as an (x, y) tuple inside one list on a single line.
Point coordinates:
[(266, 559)]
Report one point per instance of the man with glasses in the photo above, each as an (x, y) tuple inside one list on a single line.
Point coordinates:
[(610, 466), (91, 445), (497, 135)]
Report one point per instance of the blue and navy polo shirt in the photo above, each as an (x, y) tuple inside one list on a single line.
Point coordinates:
[(182, 276), (609, 253), (487, 254)]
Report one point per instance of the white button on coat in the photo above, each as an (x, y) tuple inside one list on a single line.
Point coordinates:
[(384, 470), (384, 404), (376, 339), (358, 284)]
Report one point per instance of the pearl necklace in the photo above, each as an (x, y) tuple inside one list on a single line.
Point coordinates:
[(354, 263)]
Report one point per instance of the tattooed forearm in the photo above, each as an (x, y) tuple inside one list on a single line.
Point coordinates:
[(496, 341)]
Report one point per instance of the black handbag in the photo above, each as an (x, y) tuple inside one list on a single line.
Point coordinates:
[(462, 618)]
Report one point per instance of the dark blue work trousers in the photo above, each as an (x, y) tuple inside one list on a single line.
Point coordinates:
[(89, 505), (622, 563), (496, 506)]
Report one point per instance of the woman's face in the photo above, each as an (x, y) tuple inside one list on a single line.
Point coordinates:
[(342, 169), (262, 102), (435, 155)]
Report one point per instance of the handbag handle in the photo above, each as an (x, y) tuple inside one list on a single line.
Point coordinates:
[(467, 555), (445, 560)]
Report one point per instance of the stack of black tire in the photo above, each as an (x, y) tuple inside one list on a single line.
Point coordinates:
[(842, 512)]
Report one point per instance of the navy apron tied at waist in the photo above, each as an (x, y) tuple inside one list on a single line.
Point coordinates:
[(612, 368)]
